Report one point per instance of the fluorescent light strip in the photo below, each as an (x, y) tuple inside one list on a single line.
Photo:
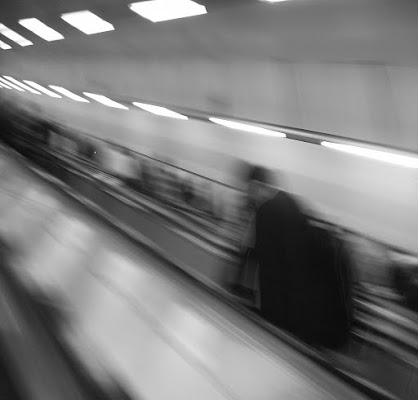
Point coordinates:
[(43, 90), (6, 86), (68, 94), (87, 22), (21, 85), (5, 82), (247, 128), (12, 35), (40, 29), (392, 158), (105, 101), (162, 111), (165, 10), (4, 46)]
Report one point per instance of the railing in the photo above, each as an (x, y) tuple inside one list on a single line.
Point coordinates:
[(330, 224), (206, 219)]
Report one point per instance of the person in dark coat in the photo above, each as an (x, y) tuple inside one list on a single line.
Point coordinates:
[(295, 292)]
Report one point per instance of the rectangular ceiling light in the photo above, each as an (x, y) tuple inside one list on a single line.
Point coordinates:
[(4, 46), (87, 22), (162, 111), (392, 158), (43, 90), (69, 94), (12, 35), (165, 10), (5, 82), (21, 85), (40, 29), (247, 128), (106, 101)]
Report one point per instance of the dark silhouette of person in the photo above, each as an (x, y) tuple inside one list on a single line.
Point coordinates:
[(298, 292)]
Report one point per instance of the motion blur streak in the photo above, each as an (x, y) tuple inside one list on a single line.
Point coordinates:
[(5, 86), (22, 85), (247, 128), (43, 90), (105, 101), (392, 158), (69, 94), (19, 89), (162, 111)]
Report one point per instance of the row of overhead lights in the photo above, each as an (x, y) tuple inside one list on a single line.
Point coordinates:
[(90, 24), (8, 82)]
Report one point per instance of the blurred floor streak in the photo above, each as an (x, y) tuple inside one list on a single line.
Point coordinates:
[(153, 330)]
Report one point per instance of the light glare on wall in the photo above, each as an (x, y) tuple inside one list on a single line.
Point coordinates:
[(247, 128), (4, 86), (105, 101), (5, 82), (68, 94), (162, 111), (42, 89), (391, 158), (22, 85)]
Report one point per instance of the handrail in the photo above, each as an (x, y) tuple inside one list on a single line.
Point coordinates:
[(334, 225)]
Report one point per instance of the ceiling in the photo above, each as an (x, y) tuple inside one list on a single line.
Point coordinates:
[(367, 31)]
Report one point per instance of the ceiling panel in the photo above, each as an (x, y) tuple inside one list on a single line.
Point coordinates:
[(370, 31)]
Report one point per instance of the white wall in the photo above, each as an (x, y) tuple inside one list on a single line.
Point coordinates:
[(369, 102)]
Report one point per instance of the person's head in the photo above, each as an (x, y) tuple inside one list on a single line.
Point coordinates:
[(260, 185)]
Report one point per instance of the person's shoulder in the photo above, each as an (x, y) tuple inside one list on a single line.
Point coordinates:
[(287, 198), (270, 206), (284, 203)]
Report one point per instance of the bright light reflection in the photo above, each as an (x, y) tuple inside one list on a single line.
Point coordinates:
[(392, 158), (2, 80), (43, 90), (162, 111), (164, 10), (4, 86), (68, 94), (22, 85), (41, 29), (105, 101), (87, 22), (247, 128), (4, 46)]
